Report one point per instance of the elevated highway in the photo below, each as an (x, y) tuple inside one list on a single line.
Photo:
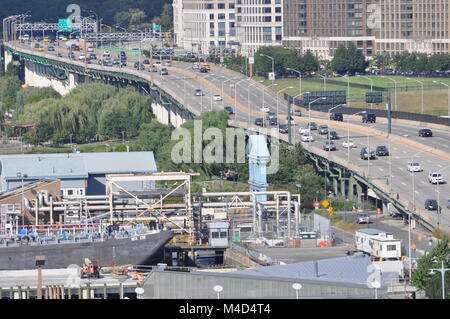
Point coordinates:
[(385, 180)]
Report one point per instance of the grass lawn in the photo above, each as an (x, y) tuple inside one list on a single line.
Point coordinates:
[(409, 97)]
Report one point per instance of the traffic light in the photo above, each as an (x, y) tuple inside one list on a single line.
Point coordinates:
[(330, 210)]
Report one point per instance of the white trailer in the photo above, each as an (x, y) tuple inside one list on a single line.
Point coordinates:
[(378, 244)]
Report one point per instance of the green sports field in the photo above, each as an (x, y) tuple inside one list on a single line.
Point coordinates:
[(409, 95)]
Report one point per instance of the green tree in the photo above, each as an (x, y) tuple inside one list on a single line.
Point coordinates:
[(421, 277), (165, 20), (348, 60), (309, 62)]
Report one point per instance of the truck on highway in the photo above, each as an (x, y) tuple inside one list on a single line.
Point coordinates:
[(378, 244)]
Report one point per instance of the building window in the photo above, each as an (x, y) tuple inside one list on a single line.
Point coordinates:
[(278, 37), (267, 19), (278, 10), (221, 16), (232, 16), (211, 16), (278, 18), (231, 5), (221, 6), (209, 6)]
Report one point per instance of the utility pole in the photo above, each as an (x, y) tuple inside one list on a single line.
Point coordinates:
[(389, 109)]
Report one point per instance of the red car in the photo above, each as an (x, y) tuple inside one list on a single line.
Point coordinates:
[(75, 48)]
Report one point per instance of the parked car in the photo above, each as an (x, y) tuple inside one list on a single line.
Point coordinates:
[(283, 129), (229, 109), (382, 151), (323, 129), (431, 204), (259, 121), (369, 118), (307, 138), (199, 92), (264, 109), (335, 116), (348, 144), (329, 146), (333, 135), (363, 218), (367, 154), (216, 97), (435, 178), (414, 167), (425, 132)]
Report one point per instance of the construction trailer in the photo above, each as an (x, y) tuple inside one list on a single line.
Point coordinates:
[(378, 244)]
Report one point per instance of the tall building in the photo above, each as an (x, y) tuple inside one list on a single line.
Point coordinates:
[(374, 26), (200, 25), (259, 23)]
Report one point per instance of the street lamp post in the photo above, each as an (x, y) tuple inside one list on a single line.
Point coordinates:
[(278, 117), (273, 64), (248, 100), (448, 86), (421, 84), (299, 77), (348, 133), (324, 80), (442, 270), (395, 89)]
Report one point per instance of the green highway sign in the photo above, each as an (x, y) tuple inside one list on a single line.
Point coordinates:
[(64, 25)]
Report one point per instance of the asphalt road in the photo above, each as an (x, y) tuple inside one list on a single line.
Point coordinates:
[(255, 97)]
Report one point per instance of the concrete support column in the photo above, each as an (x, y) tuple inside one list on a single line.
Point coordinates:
[(335, 186), (343, 188)]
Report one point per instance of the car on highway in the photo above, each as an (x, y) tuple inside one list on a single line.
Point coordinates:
[(283, 129), (37, 45), (41, 48), (90, 49), (203, 70), (297, 112), (216, 97), (348, 144), (382, 150), (323, 129), (167, 63), (335, 116), (152, 69), (329, 146), (146, 62), (431, 204), (333, 135), (363, 218), (435, 178), (199, 92), (307, 138), (369, 118), (259, 121), (71, 56), (273, 121), (264, 109), (414, 167), (229, 109), (367, 154), (425, 132), (75, 47), (304, 130), (106, 53), (82, 57), (93, 56), (271, 115), (312, 125), (51, 48), (195, 66), (157, 63), (59, 55), (163, 71)]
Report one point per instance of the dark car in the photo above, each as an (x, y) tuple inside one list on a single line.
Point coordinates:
[(259, 121), (296, 112), (93, 56), (273, 121), (71, 56), (382, 151), (329, 146), (51, 49), (336, 116), (431, 204), (333, 135), (198, 92), (136, 65), (203, 70), (283, 129), (229, 109), (366, 154), (152, 69), (425, 132), (312, 126), (163, 71), (146, 62), (323, 129), (37, 45), (271, 115), (369, 118)]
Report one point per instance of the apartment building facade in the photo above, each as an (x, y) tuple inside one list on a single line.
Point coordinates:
[(200, 25), (374, 26)]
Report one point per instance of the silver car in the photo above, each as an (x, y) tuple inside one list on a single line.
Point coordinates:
[(363, 218)]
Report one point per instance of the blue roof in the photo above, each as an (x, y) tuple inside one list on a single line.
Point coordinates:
[(351, 269), (75, 165)]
